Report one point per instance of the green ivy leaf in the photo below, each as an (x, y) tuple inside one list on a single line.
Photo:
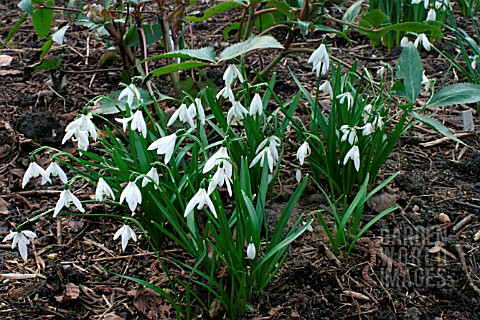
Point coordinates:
[(206, 54), (254, 43), (375, 18), (60, 34), (224, 6), (42, 20), (410, 70), (176, 67), (456, 94), (435, 124)]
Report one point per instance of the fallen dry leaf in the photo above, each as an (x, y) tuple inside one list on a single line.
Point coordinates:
[(71, 292), (3, 206), (111, 316), (151, 304), (5, 60)]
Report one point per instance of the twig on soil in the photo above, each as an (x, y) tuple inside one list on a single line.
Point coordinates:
[(463, 222), (471, 205), (123, 257), (461, 254), (20, 276), (442, 140)]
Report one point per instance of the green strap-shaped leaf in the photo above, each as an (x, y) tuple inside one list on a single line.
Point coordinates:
[(435, 124), (410, 71), (224, 6), (206, 54), (42, 20), (456, 94), (176, 67), (253, 43)]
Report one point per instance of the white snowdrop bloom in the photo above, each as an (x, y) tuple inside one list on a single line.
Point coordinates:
[(127, 233), (219, 157), (298, 174), (226, 92), (302, 152), (261, 158), (200, 200), (367, 111), (165, 145), (137, 122), (320, 61), (425, 2), (130, 92), (425, 82), (251, 251), (132, 195), (354, 154), (21, 239), (431, 16), (196, 109), (236, 113), (348, 96), (256, 107), (367, 129), (82, 139), (66, 198), (378, 122), (82, 123), (222, 176), (34, 171), (309, 228), (182, 114), (103, 189), (404, 42), (381, 71), (230, 74), (55, 170), (425, 43), (151, 176), (349, 134), (326, 87)]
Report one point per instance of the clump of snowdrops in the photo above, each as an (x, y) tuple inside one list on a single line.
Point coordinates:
[(174, 178)]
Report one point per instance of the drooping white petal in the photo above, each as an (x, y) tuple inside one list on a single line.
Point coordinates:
[(251, 251), (33, 171), (302, 152), (165, 145), (152, 175), (132, 195), (55, 170), (103, 189), (256, 107)]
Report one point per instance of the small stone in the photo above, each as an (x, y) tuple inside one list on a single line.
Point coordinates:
[(415, 208), (443, 218)]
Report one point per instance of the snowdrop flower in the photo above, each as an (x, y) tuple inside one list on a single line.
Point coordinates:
[(354, 154), (256, 107), (236, 113), (251, 251), (474, 59), (183, 115), (226, 92), (349, 134), (33, 171), (431, 16), (381, 71), (367, 111), (348, 96), (302, 152), (196, 109), (232, 73), (326, 87), (67, 197), (165, 145), (320, 60), (442, 5), (425, 2), (20, 239), (200, 200), (137, 123), (425, 43), (425, 82), (309, 228), (367, 129), (152, 175), (219, 157), (55, 170), (222, 176), (132, 195), (81, 128), (261, 156), (127, 233), (103, 189), (273, 143), (298, 174), (404, 42), (378, 122), (131, 92)]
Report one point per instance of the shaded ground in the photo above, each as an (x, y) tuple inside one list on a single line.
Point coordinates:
[(438, 276)]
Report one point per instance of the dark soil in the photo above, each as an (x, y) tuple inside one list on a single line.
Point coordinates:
[(439, 273)]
